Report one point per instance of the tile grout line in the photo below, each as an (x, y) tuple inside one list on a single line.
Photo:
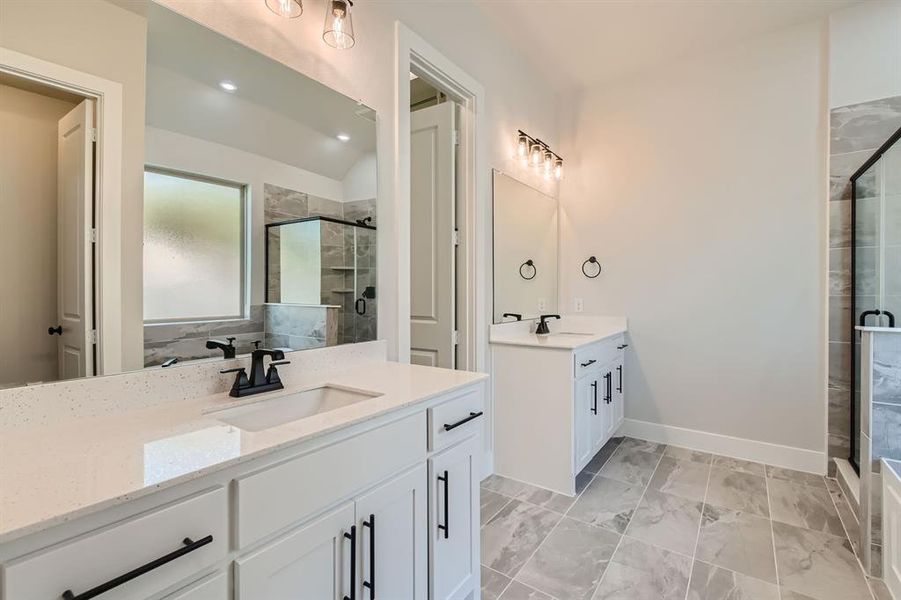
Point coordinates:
[(623, 535), (848, 537), (769, 508), (694, 552)]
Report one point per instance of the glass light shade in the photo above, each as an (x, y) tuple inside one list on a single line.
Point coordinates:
[(548, 161), (522, 146), (290, 9), (339, 28), (535, 154), (558, 168)]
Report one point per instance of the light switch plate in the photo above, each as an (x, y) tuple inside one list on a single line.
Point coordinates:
[(542, 305)]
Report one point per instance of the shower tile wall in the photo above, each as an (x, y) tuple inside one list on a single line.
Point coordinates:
[(300, 327), (856, 131), (187, 341)]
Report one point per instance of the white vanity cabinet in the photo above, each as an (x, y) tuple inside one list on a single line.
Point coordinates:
[(384, 509), (557, 401)]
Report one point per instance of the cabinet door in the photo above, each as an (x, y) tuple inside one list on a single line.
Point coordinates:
[(586, 391), (310, 562), (454, 521), (600, 427), (393, 542), (213, 587)]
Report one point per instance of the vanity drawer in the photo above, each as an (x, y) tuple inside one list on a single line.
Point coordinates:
[(287, 493), (601, 353), (99, 557), (457, 418)]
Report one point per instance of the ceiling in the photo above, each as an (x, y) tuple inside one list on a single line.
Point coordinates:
[(579, 44), (275, 112)]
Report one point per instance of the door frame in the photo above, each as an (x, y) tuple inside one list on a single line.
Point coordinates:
[(414, 54), (107, 96)]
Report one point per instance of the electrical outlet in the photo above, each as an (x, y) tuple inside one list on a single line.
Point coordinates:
[(542, 305), (577, 305)]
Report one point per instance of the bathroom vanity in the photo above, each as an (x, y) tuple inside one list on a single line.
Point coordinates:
[(558, 398), (182, 492)]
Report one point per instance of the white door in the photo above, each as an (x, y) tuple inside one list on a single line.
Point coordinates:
[(311, 562), (432, 236), (393, 544), (75, 179), (586, 403), (454, 521)]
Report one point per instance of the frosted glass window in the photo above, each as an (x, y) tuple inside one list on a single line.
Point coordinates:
[(193, 248)]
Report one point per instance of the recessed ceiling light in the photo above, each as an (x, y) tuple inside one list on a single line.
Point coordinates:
[(228, 86), (343, 137)]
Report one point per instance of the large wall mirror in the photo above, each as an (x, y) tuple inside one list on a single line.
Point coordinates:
[(525, 250), (248, 205)]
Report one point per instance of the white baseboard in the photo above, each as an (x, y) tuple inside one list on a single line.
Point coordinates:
[(849, 481), (777, 455)]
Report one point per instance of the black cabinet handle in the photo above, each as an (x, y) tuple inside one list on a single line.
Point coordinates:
[(472, 415), (589, 363), (446, 526), (371, 583), (609, 378), (58, 330), (624, 346), (189, 546), (594, 406), (352, 536), (619, 370)]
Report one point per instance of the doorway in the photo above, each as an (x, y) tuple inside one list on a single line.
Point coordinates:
[(434, 239), (47, 168)]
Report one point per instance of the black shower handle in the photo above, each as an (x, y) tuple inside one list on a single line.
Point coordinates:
[(867, 313), (891, 318)]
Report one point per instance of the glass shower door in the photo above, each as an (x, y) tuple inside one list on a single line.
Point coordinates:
[(364, 315)]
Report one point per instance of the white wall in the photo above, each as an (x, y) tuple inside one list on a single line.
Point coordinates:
[(516, 96), (702, 190), (28, 157), (361, 181), (865, 53)]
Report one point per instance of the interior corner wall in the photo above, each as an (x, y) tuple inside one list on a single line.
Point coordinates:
[(702, 190), (516, 96), (78, 35)]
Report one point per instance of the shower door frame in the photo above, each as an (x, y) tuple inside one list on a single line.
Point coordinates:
[(885, 147)]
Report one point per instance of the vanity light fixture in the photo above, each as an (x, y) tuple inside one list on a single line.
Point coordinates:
[(537, 153), (339, 28), (290, 9), (228, 86), (343, 137)]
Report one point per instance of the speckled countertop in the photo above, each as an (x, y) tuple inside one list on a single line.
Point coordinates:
[(50, 474)]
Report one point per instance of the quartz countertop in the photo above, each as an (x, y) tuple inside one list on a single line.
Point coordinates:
[(51, 474), (568, 333)]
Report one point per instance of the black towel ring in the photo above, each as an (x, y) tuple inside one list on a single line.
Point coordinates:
[(593, 260), (528, 263)]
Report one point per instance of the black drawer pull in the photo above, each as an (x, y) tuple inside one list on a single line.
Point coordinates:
[(352, 536), (623, 347), (589, 363), (594, 406), (446, 526), (371, 583), (189, 546), (472, 415), (619, 388), (609, 397)]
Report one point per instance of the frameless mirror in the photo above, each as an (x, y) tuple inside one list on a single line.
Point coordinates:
[(525, 250), (247, 213)]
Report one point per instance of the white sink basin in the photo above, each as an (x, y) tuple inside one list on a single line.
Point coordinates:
[(568, 334), (276, 411)]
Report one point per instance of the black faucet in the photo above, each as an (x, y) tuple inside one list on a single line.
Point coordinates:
[(227, 349), (258, 381), (516, 316), (542, 328)]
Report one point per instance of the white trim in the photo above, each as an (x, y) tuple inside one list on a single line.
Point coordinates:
[(800, 459), (848, 481), (108, 175)]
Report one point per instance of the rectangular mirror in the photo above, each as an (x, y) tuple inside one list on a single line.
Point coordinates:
[(248, 192), (525, 250)]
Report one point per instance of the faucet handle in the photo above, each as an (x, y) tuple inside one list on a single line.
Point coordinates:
[(272, 373), (231, 340), (241, 380), (235, 370)]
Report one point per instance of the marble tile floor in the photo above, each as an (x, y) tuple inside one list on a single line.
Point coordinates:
[(652, 521)]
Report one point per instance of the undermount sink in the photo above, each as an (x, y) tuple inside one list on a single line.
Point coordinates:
[(267, 413), (568, 333)]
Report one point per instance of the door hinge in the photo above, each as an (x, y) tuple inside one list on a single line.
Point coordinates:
[(456, 137), (93, 134), (456, 337), (93, 235), (93, 336), (456, 237)]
